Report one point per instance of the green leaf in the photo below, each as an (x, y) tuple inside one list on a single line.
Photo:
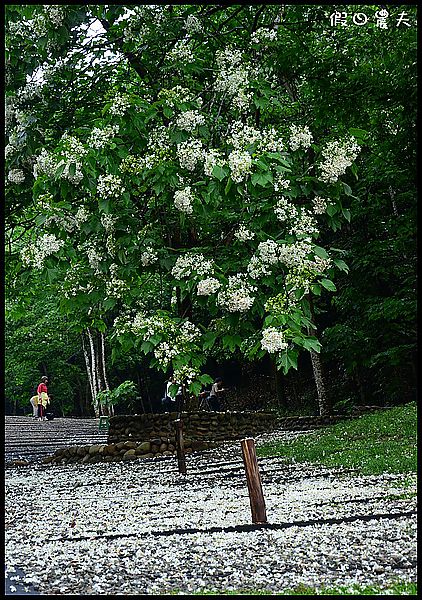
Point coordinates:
[(341, 264), (347, 189), (328, 284), (219, 172), (316, 289), (320, 252), (346, 213)]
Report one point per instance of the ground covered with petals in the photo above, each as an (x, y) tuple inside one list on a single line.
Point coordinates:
[(142, 528)]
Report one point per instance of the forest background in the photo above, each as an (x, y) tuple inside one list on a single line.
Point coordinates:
[(102, 90)]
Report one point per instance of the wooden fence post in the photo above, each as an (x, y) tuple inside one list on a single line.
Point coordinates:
[(256, 497), (180, 446)]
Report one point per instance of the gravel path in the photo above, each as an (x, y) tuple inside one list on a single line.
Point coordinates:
[(142, 528), (30, 440)]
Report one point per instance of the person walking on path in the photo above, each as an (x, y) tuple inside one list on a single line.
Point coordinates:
[(43, 398)]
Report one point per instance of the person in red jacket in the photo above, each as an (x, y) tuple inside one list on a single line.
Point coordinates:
[(42, 398)]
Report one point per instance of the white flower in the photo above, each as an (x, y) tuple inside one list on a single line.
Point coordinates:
[(181, 52), (263, 35), (119, 105), (45, 245), (232, 78), (240, 164), (190, 153), (16, 176), (189, 120), (81, 215), (319, 205), (183, 200), (236, 297), (99, 138), (193, 24), (242, 136), (280, 183), (208, 286), (189, 263), (284, 210), (212, 158), (300, 137), (243, 234), (109, 186), (305, 226), (338, 155), (149, 257), (273, 340)]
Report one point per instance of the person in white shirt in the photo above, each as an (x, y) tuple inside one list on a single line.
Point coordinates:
[(216, 394)]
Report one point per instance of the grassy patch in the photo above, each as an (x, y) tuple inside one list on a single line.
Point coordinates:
[(396, 588), (379, 442)]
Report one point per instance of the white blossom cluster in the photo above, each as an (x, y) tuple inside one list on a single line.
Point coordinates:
[(273, 340), (240, 164), (176, 338), (319, 205), (190, 153), (181, 52), (183, 200), (208, 286), (175, 95), (94, 258), (320, 265), (300, 137), (99, 138), (148, 257), (305, 226), (243, 234), (9, 151), (115, 287), (295, 255), (81, 215), (212, 158), (186, 374), (279, 183), (16, 176), (119, 105), (65, 221), (270, 141), (189, 120), (45, 245), (108, 222), (285, 210), (237, 295), (242, 136), (109, 186), (266, 256), (233, 77), (193, 24), (263, 35), (188, 264), (46, 164), (338, 155)]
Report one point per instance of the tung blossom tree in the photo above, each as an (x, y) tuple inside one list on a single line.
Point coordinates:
[(178, 195)]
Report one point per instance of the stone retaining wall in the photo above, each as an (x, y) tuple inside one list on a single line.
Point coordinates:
[(202, 425), (127, 450)]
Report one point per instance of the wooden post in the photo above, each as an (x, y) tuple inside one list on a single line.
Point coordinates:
[(256, 497), (180, 447)]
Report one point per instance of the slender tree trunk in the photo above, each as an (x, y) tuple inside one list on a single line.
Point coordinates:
[(107, 387), (88, 369), (324, 407), (93, 375), (323, 402)]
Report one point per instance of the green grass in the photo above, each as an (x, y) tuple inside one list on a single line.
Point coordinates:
[(374, 443), (399, 588)]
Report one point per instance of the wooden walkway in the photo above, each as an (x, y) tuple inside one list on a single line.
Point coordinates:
[(31, 440)]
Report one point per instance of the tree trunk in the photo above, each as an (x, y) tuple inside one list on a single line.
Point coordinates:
[(323, 402), (97, 407), (324, 406), (88, 369)]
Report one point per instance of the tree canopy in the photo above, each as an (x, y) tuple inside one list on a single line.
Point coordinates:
[(187, 179)]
